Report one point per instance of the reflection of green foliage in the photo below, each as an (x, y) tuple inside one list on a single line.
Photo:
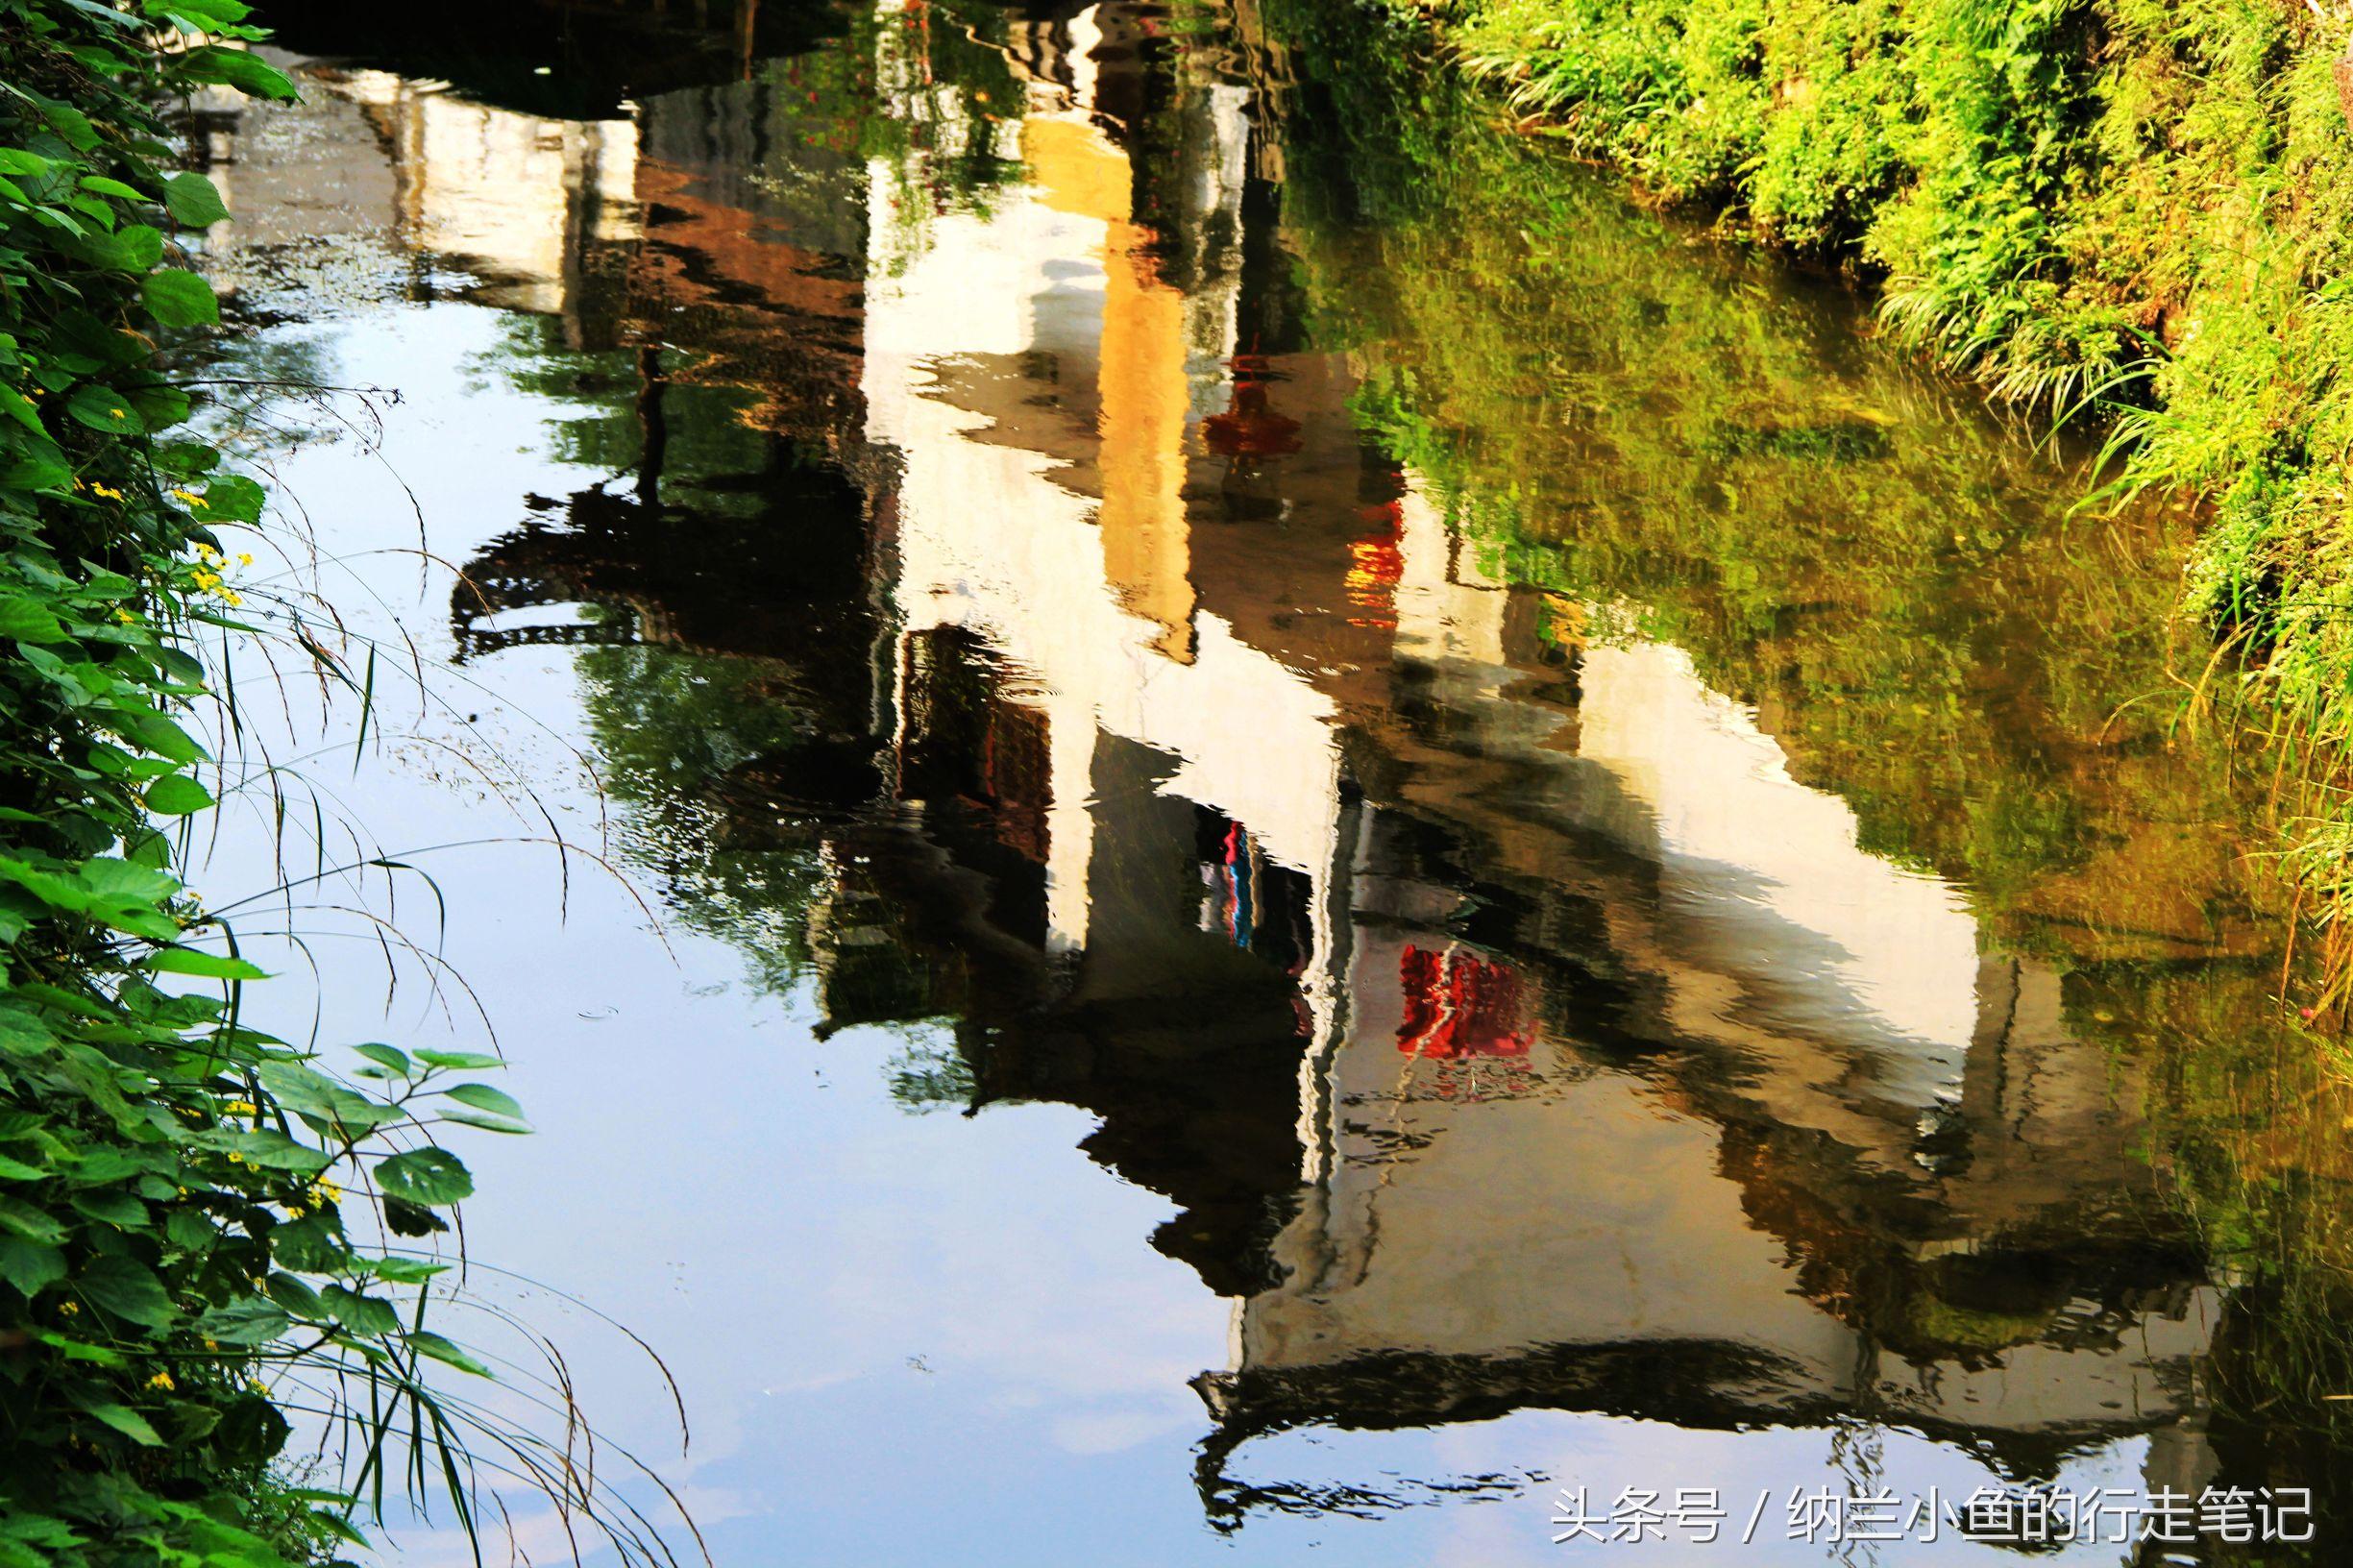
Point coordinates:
[(930, 1075), (672, 728), (1626, 415)]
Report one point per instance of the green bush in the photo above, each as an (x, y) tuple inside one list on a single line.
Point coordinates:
[(177, 1282)]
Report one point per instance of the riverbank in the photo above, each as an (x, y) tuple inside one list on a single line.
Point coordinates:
[(2117, 211), (177, 1286)]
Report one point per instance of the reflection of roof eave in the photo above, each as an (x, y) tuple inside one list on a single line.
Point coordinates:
[(1691, 1385)]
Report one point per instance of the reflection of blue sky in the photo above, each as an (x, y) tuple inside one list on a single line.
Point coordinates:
[(900, 1338)]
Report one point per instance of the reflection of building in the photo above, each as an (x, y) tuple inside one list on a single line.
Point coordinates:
[(1615, 1049), (1508, 1025)]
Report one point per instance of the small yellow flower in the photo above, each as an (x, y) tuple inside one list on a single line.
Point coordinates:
[(244, 559), (119, 413), (236, 1159), (125, 616), (239, 1108), (107, 491), (163, 1380), (203, 550), (69, 1309), (232, 599)]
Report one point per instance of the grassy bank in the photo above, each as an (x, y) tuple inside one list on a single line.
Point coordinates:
[(203, 1232), (2129, 214)]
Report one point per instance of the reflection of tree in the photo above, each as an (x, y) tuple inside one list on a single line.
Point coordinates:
[(1628, 417), (683, 739)]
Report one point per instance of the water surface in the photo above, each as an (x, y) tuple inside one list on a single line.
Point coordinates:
[(1303, 831)]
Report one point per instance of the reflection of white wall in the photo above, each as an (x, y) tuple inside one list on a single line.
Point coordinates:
[(1767, 873), (992, 538), (511, 193), (1743, 844)]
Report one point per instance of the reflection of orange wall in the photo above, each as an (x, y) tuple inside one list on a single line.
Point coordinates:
[(1145, 551), (759, 314)]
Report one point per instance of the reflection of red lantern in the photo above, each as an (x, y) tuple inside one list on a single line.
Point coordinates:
[(1458, 1005), (1250, 428)]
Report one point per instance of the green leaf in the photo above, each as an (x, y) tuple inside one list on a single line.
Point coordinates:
[(121, 881), (203, 966), (30, 1266), (176, 795), (134, 248), (248, 1322), (236, 68), (72, 125), (425, 1342), (483, 1097), (115, 1207), (177, 298), (486, 1121), (130, 1291), (27, 621), (429, 1176), (370, 1315), (193, 201), (390, 1058), (294, 1295), (232, 498), (408, 1219), (107, 185), (461, 1061), (127, 1421), (103, 408), (405, 1270), (29, 1222)]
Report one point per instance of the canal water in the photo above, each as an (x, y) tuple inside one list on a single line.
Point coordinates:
[(1212, 819)]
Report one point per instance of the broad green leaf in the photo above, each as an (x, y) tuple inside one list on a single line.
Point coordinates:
[(29, 1222), (176, 795), (203, 966), (390, 1058), (177, 298), (135, 247), (115, 1207), (429, 1176), (461, 1061), (243, 71), (30, 1266), (72, 125), (232, 498), (122, 881), (28, 621), (249, 1322), (405, 1270), (487, 1122), (193, 201), (127, 1421), (483, 1097), (371, 1315), (103, 408), (429, 1343), (129, 1290), (107, 185)]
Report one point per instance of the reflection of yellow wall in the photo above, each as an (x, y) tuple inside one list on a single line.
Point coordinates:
[(1145, 549)]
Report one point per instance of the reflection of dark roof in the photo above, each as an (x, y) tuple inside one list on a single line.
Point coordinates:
[(1690, 1383), (597, 53)]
